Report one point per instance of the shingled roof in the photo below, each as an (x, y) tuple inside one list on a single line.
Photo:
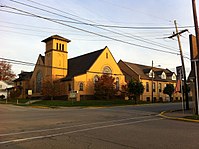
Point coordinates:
[(143, 70), (81, 64), (24, 76), (56, 37), (42, 58)]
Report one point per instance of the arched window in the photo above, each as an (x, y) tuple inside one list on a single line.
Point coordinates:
[(107, 70), (62, 47), (81, 86), (38, 82), (96, 78), (57, 46), (117, 84)]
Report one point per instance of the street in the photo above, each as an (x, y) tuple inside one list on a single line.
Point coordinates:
[(121, 127)]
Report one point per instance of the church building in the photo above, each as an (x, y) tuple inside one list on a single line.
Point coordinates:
[(75, 74)]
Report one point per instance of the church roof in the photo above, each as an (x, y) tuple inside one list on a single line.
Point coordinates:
[(56, 37), (42, 58), (81, 64), (24, 76)]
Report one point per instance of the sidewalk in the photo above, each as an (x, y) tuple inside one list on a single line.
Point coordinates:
[(178, 115)]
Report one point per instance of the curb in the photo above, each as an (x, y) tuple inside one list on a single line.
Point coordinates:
[(42, 107), (176, 118)]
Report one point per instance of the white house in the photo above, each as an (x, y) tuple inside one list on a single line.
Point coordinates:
[(3, 88)]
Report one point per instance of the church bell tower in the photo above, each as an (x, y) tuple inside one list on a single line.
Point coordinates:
[(56, 57)]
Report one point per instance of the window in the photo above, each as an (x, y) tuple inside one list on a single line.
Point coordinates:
[(107, 70), (62, 47), (154, 99), (160, 87), (57, 46), (153, 87), (147, 98), (117, 84), (81, 86), (151, 74), (106, 55), (173, 77), (96, 78), (38, 81), (161, 99), (163, 76), (147, 86)]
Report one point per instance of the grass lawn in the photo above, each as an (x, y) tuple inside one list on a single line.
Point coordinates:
[(14, 101), (194, 117), (61, 103)]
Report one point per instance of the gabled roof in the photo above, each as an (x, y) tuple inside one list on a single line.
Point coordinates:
[(81, 64), (24, 76), (143, 70), (55, 37), (42, 58), (159, 72)]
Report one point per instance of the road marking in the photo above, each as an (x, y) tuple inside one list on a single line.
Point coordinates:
[(60, 128), (75, 131)]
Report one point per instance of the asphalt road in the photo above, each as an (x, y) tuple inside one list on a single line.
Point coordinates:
[(125, 127)]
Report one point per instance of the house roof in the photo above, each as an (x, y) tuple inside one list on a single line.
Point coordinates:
[(55, 37), (79, 65), (143, 70), (24, 76)]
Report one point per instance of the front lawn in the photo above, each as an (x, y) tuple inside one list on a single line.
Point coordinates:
[(14, 101), (61, 103)]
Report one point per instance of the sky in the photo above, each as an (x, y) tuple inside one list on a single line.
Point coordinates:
[(135, 31)]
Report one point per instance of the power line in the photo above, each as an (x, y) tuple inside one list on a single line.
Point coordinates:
[(104, 36), (94, 25), (110, 26)]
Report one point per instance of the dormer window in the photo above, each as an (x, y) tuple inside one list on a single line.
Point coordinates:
[(163, 76), (151, 74), (173, 77)]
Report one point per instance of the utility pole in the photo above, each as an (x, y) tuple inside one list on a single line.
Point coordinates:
[(182, 60), (196, 64), (152, 84)]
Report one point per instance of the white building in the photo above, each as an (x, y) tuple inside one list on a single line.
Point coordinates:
[(3, 88)]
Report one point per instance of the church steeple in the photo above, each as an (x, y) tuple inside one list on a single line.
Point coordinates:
[(56, 57)]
